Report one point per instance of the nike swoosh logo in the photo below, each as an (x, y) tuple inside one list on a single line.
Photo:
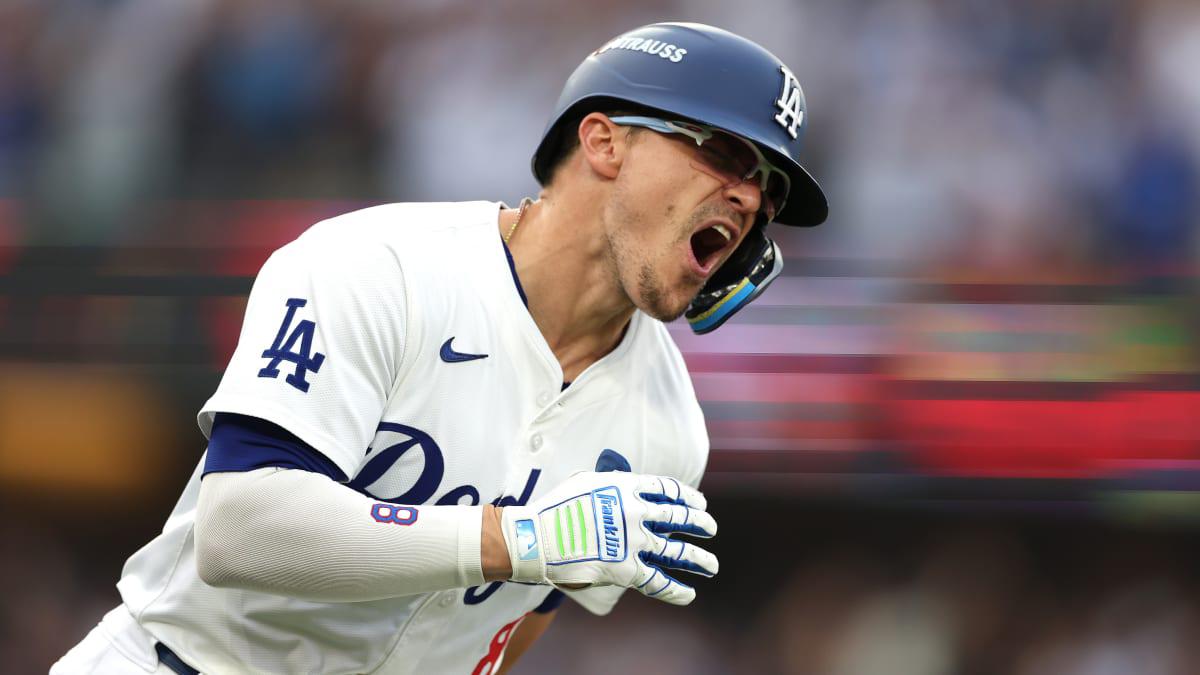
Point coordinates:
[(451, 356)]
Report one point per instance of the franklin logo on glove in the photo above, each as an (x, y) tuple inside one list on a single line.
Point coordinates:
[(609, 501), (606, 529)]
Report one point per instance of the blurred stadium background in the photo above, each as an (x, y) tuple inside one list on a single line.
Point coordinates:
[(961, 435)]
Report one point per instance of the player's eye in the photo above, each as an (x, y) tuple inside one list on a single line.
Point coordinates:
[(776, 192), (729, 156)]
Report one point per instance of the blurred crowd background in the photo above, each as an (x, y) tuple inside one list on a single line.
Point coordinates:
[(960, 435)]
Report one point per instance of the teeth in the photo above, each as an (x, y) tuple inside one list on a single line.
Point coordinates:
[(724, 231)]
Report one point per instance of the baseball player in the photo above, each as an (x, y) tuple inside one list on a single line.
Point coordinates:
[(441, 419)]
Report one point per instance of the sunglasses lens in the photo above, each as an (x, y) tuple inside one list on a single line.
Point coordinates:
[(776, 192), (734, 160), (728, 156)]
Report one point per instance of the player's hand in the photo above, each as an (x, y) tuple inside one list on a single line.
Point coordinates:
[(611, 528)]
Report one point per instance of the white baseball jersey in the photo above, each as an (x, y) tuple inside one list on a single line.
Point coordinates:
[(395, 341)]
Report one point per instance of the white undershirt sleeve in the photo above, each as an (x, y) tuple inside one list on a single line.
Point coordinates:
[(300, 534)]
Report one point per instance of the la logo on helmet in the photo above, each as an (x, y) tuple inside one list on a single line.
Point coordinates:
[(790, 115)]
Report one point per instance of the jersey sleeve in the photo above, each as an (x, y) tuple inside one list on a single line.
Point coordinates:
[(239, 443), (321, 344)]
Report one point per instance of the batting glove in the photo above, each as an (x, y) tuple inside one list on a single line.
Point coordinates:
[(611, 528)]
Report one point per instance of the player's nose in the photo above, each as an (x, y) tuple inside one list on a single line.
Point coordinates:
[(745, 196)]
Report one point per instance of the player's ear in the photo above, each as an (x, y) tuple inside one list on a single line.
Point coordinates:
[(602, 143)]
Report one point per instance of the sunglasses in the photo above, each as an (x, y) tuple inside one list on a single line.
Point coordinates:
[(728, 158)]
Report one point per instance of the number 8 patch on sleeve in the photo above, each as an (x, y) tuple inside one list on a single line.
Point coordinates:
[(390, 513)]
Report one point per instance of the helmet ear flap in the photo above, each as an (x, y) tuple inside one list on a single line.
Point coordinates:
[(746, 274)]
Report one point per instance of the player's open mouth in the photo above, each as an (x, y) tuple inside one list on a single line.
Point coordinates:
[(707, 245)]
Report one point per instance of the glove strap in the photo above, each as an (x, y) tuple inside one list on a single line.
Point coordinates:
[(523, 536), (586, 527)]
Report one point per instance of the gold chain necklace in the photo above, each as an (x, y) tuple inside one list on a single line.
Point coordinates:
[(520, 214)]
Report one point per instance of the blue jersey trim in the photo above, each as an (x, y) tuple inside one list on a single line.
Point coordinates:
[(243, 443), (611, 460), (171, 660), (553, 600), (512, 267), (516, 280)]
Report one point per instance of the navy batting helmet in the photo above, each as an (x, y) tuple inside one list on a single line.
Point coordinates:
[(699, 73)]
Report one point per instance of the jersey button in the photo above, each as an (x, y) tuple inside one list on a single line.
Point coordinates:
[(447, 600), (535, 442), (544, 399)]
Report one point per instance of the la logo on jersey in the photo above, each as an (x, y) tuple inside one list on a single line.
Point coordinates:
[(285, 348), (791, 114)]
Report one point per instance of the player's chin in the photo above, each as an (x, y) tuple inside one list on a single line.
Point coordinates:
[(667, 308), (666, 315), (666, 297)]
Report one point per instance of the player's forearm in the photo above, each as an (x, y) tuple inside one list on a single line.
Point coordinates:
[(493, 553), (300, 534)]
